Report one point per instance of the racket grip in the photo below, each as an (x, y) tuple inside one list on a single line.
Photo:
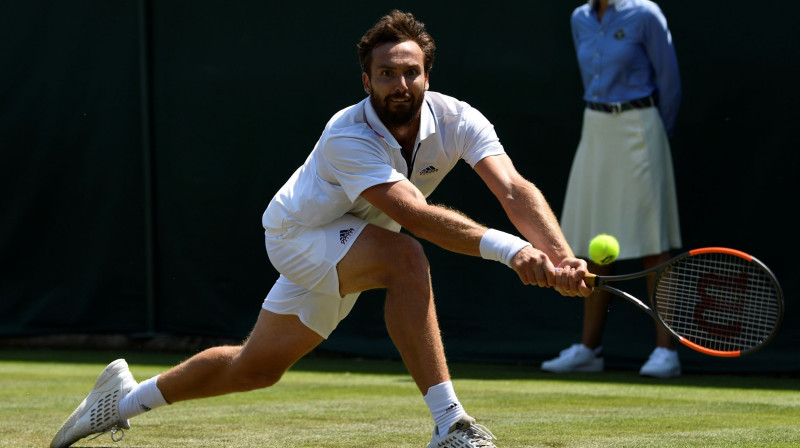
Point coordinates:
[(588, 278)]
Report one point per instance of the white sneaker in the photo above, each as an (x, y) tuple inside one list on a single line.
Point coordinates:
[(576, 358), (99, 411), (663, 363), (464, 433)]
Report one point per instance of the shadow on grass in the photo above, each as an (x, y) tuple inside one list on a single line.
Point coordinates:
[(333, 363)]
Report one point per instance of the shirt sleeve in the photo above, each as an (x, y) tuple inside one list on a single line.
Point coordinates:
[(660, 50), (357, 164), (573, 26), (479, 137)]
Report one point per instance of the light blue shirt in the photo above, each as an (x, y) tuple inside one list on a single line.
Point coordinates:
[(628, 55)]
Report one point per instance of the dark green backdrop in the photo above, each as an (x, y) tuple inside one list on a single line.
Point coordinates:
[(140, 142)]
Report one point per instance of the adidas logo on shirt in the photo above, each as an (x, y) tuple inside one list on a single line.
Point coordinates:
[(344, 235), (429, 170)]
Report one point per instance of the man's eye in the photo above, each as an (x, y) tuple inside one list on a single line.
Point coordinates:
[(412, 73), (386, 73)]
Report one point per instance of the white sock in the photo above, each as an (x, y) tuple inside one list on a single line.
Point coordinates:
[(144, 397), (444, 405)]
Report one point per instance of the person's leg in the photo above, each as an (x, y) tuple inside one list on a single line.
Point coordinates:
[(383, 259), (595, 310), (663, 337), (663, 362), (396, 262), (586, 356), (276, 342)]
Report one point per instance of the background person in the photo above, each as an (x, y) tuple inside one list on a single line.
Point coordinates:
[(622, 180)]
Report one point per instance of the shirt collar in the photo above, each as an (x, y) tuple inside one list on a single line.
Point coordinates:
[(427, 125), (610, 2)]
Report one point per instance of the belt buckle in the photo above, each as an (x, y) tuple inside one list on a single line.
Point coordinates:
[(616, 108)]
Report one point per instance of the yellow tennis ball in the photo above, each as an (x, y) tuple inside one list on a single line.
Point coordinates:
[(603, 249)]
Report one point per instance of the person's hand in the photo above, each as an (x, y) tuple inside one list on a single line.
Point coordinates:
[(569, 278), (534, 267)]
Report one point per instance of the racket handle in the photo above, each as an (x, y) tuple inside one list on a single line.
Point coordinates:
[(588, 278)]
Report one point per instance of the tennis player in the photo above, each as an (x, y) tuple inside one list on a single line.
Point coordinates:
[(332, 231)]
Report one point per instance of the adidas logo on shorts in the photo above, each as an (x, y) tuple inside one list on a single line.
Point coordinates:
[(344, 235)]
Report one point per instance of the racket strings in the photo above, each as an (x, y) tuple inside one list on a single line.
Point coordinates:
[(719, 301)]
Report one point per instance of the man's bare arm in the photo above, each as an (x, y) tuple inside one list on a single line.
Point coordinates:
[(525, 206), (445, 227)]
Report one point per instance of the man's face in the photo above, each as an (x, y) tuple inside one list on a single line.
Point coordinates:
[(397, 82)]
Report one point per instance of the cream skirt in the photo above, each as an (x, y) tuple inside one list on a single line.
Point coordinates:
[(622, 183)]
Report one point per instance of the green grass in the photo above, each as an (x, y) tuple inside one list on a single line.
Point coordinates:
[(351, 403)]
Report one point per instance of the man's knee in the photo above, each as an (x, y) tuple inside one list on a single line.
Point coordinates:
[(409, 265), (410, 254), (248, 378)]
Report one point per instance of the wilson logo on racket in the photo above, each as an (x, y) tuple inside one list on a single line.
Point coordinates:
[(721, 300)]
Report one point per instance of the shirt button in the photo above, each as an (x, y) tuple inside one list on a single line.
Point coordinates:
[(602, 32), (596, 76)]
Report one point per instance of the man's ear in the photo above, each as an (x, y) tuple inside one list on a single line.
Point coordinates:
[(365, 81)]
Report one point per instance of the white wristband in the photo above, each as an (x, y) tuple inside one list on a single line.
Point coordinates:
[(501, 246)]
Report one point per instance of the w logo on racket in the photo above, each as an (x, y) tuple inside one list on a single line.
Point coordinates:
[(721, 304)]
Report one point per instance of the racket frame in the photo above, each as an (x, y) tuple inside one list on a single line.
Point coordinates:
[(600, 282)]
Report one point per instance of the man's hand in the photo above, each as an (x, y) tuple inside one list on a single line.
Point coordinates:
[(535, 268), (569, 278)]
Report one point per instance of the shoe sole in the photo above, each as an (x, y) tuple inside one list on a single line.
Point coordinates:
[(663, 375), (99, 391), (576, 370), (583, 368)]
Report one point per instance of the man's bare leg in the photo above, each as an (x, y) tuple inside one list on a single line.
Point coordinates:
[(274, 345), (383, 259), (276, 342), (396, 262)]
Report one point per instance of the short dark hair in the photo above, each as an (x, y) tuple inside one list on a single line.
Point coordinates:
[(397, 26)]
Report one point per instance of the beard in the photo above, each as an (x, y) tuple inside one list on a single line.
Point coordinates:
[(396, 114)]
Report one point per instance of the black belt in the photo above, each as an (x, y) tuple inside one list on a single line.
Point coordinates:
[(615, 108)]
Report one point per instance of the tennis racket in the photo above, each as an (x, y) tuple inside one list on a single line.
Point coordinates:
[(718, 301)]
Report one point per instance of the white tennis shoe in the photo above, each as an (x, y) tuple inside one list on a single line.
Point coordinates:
[(576, 358), (99, 411), (663, 363), (464, 433)]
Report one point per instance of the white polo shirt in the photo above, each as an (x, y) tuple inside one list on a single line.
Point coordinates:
[(356, 152)]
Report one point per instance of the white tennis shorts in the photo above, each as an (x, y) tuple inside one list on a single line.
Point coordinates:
[(308, 286)]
